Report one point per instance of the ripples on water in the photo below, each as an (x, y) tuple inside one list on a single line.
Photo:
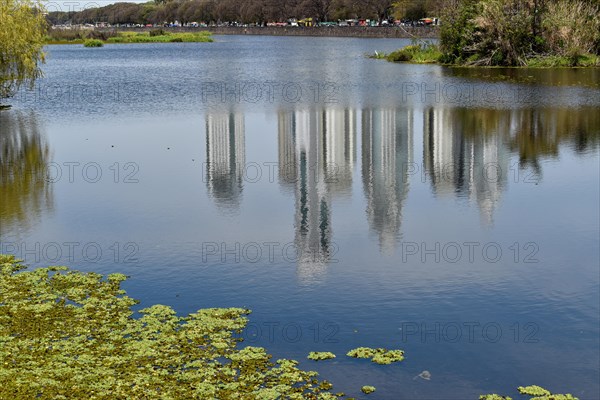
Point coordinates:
[(452, 213)]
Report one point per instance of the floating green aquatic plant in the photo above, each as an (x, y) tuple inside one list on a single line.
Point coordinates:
[(533, 390), (378, 355), (367, 389), (67, 334), (543, 394), (388, 357), (539, 392), (320, 355), (361, 352)]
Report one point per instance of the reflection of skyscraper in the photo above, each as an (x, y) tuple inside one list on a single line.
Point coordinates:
[(386, 159), (487, 163), (340, 148), (441, 150), (288, 168), (313, 207), (225, 158), (462, 159), (316, 157)]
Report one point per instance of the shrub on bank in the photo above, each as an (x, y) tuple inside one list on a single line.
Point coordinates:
[(157, 32), (416, 53), (93, 43), (101, 35), (67, 34), (571, 27), (77, 35), (403, 54), (574, 60), (509, 33)]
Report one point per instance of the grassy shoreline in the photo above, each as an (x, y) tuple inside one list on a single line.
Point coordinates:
[(154, 36), (429, 53)]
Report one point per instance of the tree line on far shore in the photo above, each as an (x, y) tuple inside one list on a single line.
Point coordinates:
[(246, 11)]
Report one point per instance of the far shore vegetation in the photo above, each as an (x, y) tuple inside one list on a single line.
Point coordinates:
[(93, 38), (428, 53), (531, 33), (93, 43), (72, 335)]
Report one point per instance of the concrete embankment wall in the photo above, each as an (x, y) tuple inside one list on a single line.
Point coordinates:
[(336, 31), (340, 31)]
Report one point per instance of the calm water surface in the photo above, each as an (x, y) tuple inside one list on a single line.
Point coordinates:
[(451, 213)]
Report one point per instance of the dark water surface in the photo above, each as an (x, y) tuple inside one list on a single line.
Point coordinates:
[(451, 213)]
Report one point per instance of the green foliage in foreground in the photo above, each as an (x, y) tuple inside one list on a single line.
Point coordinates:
[(320, 355), (538, 392), (379, 355), (66, 334), (93, 43)]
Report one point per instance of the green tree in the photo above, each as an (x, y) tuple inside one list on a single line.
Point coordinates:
[(511, 32), (22, 30)]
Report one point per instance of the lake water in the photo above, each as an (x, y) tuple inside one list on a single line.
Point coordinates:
[(348, 201)]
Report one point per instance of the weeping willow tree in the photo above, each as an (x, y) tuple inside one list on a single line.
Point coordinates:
[(22, 30)]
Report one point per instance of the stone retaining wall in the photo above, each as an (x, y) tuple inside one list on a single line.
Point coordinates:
[(336, 31)]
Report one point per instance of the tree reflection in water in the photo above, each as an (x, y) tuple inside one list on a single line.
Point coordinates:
[(25, 192)]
